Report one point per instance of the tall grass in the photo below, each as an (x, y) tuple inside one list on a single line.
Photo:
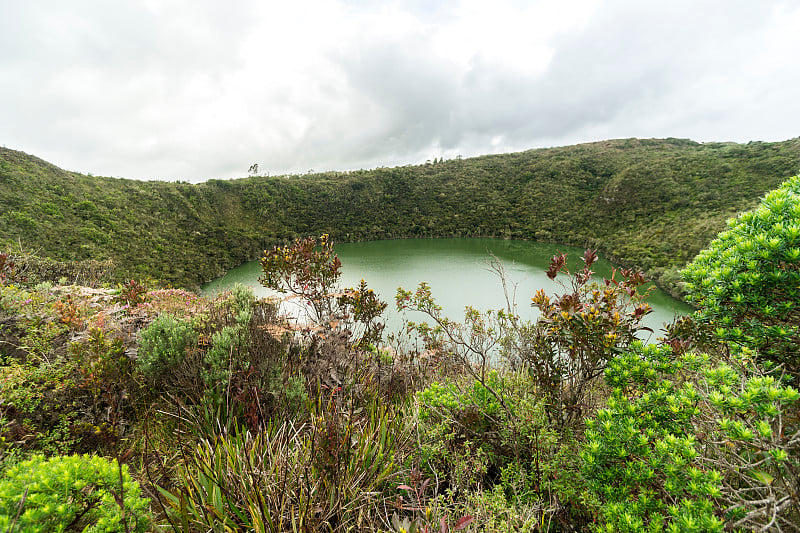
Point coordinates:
[(330, 474)]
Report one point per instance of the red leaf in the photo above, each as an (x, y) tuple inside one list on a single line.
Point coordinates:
[(404, 487), (463, 522), (589, 257), (424, 486)]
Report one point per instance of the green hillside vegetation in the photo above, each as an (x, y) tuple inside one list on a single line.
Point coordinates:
[(650, 204), (138, 409)]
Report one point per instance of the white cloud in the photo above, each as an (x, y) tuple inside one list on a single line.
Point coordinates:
[(199, 89)]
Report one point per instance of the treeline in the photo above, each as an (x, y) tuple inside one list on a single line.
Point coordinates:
[(647, 203)]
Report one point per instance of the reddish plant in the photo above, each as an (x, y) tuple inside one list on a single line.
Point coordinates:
[(9, 271), (69, 313), (308, 269), (132, 293), (581, 329)]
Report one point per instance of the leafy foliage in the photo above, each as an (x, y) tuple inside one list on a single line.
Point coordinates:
[(71, 493), (580, 331), (747, 282), (754, 441), (132, 293), (688, 445), (640, 454), (163, 344), (309, 270), (363, 309), (229, 345)]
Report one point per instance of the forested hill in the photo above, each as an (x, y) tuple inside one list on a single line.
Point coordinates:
[(647, 203)]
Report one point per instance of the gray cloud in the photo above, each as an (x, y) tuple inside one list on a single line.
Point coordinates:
[(195, 90)]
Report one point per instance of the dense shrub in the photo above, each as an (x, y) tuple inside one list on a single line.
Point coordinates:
[(228, 345), (579, 332), (71, 493), (163, 344), (228, 354), (460, 426), (493, 440), (34, 411), (688, 445), (747, 282), (640, 457), (242, 298), (88, 272)]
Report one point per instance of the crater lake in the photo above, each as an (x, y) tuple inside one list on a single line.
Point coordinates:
[(458, 272)]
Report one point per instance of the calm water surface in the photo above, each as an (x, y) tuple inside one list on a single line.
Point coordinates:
[(457, 271)]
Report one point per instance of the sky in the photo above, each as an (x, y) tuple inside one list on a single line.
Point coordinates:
[(198, 89)]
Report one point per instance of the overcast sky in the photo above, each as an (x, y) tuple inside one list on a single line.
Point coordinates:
[(196, 89)]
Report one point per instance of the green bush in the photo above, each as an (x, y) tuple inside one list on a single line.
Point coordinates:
[(71, 493), (640, 456), (685, 445), (243, 300), (459, 425), (32, 410), (494, 439), (454, 397), (163, 344), (752, 437), (21, 219), (227, 343), (747, 282)]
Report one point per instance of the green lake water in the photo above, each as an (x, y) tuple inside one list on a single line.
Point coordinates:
[(457, 271)]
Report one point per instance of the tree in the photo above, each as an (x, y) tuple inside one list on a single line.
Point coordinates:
[(310, 270), (307, 269)]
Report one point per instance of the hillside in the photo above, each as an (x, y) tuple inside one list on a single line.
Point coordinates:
[(652, 204)]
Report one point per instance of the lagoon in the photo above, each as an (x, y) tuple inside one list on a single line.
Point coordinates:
[(457, 269)]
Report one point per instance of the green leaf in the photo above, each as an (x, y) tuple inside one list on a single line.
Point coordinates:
[(763, 477)]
